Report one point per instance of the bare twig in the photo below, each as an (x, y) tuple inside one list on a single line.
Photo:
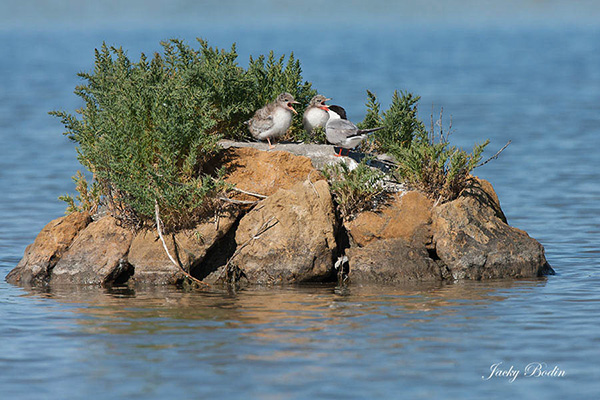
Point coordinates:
[(441, 124), (234, 201), (311, 184), (495, 155), (159, 228), (217, 217), (260, 196), (432, 138)]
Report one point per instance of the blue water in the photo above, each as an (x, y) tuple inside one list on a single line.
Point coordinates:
[(539, 87)]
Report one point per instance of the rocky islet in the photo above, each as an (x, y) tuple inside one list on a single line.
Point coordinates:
[(293, 235)]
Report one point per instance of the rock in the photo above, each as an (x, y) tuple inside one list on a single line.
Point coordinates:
[(265, 172), (153, 266), (473, 240), (319, 154), (298, 245), (407, 216), (485, 194), (406, 240), (389, 245), (47, 249), (98, 255), (391, 261)]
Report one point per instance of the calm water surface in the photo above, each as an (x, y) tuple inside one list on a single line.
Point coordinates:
[(539, 88)]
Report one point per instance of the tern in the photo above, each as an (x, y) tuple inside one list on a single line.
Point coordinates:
[(274, 119), (343, 133), (315, 114)]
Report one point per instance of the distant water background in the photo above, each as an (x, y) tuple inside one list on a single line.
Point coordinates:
[(512, 76)]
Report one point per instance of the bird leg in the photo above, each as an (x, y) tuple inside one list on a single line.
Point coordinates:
[(340, 153), (270, 145)]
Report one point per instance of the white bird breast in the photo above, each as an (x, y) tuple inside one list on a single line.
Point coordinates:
[(282, 119), (317, 117)]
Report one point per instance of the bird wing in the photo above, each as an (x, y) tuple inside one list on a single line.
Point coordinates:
[(261, 121), (339, 130)]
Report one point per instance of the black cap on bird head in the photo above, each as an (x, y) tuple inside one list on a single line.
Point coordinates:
[(339, 111)]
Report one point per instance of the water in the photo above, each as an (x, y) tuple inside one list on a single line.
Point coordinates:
[(539, 87)]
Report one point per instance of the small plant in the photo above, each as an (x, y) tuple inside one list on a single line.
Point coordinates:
[(431, 165), (355, 190), (426, 160), (88, 197), (148, 128)]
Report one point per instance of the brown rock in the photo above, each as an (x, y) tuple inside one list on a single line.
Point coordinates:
[(300, 244), (50, 244), (391, 261), (189, 247), (96, 256), (265, 172), (475, 243), (408, 216), (485, 194)]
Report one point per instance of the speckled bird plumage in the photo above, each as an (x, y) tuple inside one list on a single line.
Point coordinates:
[(274, 119)]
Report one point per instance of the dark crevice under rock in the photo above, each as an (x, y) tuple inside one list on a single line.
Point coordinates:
[(343, 243), (120, 275), (217, 255)]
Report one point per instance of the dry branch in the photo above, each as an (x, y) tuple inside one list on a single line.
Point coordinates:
[(495, 155), (159, 228)]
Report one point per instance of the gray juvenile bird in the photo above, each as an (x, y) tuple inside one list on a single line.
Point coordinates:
[(274, 119), (315, 114), (343, 133)]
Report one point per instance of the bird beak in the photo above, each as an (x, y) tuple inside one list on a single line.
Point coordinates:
[(292, 108), (325, 106)]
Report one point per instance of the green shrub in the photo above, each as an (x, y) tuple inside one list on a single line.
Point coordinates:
[(425, 163), (148, 128), (431, 165), (354, 190), (400, 122)]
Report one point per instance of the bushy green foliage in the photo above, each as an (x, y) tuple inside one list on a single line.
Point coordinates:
[(426, 160), (436, 168), (148, 128), (317, 136), (354, 190), (400, 122)]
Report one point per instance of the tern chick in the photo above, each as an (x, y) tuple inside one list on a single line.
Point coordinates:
[(315, 114), (274, 119)]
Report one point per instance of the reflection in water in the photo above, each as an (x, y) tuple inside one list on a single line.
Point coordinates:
[(272, 341), (307, 308)]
